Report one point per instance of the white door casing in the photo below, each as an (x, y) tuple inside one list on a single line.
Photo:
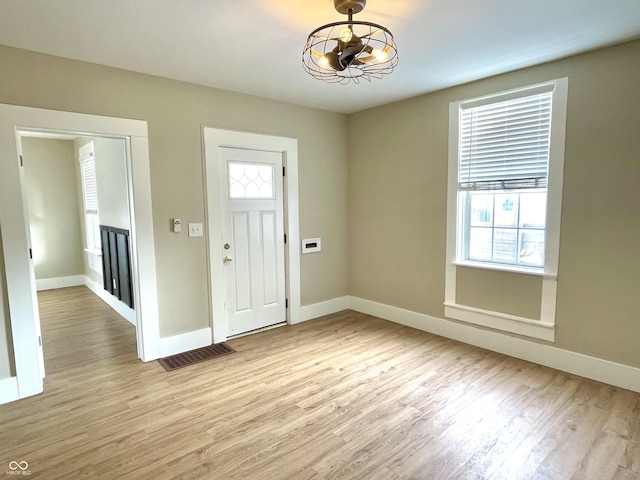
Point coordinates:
[(214, 140), (14, 226), (253, 236), (32, 271), (20, 285)]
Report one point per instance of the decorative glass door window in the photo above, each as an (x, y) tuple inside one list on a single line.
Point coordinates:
[(250, 180)]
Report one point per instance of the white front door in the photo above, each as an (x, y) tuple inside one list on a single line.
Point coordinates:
[(253, 238)]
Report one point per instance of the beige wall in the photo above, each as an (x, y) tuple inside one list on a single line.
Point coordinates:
[(175, 112), (52, 199), (7, 366), (397, 205), (493, 290), (393, 249)]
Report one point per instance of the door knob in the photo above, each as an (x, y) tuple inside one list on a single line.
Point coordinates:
[(227, 259)]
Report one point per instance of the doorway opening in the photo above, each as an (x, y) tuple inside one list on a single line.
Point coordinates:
[(16, 121), (74, 187)]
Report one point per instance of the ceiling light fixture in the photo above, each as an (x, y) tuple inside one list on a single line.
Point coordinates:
[(346, 51)]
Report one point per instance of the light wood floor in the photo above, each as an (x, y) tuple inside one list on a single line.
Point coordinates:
[(347, 396)]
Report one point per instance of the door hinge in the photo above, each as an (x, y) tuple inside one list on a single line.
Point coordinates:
[(285, 238), (39, 341), (284, 169), (286, 303), (21, 161), (31, 254)]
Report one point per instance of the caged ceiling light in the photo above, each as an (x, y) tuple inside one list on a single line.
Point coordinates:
[(346, 51)]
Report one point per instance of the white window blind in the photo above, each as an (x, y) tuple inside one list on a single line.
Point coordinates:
[(90, 185), (505, 145)]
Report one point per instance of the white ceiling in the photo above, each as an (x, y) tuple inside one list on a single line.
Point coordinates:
[(255, 46)]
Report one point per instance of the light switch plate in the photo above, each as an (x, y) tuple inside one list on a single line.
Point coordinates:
[(195, 229)]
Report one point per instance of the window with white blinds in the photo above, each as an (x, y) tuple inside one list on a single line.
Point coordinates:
[(505, 145), (90, 201), (89, 184), (506, 171)]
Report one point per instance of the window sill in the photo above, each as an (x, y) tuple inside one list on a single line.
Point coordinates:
[(93, 251), (504, 268)]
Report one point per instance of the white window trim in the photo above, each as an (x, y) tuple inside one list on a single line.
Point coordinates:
[(94, 261), (543, 327), (536, 272)]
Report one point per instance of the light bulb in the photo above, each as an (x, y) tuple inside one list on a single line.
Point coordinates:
[(323, 62), (380, 55), (346, 35)]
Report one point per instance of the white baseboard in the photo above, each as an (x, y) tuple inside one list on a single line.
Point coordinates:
[(59, 282), (120, 307), (315, 310), (185, 342), (9, 390), (616, 374)]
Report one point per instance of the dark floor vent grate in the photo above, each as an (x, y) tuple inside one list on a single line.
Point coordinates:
[(195, 356)]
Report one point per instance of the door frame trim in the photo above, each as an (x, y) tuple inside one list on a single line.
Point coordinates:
[(21, 286), (212, 139)]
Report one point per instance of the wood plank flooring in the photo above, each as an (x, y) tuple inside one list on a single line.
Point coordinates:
[(347, 396)]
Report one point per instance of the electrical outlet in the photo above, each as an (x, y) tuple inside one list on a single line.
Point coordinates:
[(195, 229), (177, 226)]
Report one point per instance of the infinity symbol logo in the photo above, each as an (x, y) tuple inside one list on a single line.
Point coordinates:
[(13, 465)]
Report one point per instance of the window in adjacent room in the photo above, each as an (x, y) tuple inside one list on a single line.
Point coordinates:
[(507, 156), (90, 201)]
